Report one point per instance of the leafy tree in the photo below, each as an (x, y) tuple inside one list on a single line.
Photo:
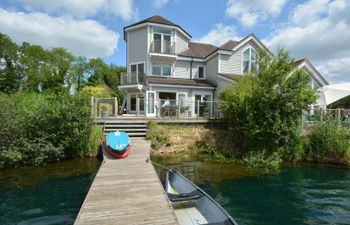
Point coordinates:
[(34, 62), (96, 69), (10, 76), (263, 110)]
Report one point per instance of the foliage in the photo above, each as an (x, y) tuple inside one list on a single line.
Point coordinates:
[(31, 68), (263, 110), (156, 135), (261, 159), (10, 72), (328, 142), (40, 128), (95, 139)]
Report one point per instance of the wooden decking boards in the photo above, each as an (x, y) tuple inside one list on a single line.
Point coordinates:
[(127, 191)]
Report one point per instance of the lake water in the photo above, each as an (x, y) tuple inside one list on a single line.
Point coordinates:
[(45, 195), (302, 194)]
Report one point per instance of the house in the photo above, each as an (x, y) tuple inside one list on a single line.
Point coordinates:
[(168, 74)]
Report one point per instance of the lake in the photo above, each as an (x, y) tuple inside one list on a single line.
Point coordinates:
[(298, 194), (45, 195)]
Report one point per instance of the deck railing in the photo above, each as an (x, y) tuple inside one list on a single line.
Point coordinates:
[(161, 108), (132, 78), (162, 47)]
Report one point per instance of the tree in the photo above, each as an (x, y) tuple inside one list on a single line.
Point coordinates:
[(10, 76), (263, 110), (34, 62)]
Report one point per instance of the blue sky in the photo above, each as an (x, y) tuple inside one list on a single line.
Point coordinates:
[(316, 29)]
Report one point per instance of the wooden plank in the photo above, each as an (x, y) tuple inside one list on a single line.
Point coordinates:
[(127, 191)]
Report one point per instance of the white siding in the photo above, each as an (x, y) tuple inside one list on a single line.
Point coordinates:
[(182, 69), (181, 43), (137, 45), (233, 64), (212, 69)]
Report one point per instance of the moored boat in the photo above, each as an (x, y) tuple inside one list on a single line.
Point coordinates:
[(117, 144), (191, 204)]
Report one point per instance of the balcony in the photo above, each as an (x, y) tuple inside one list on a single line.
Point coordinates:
[(163, 47), (132, 78)]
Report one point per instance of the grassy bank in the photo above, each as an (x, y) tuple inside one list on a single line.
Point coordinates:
[(40, 128), (325, 143)]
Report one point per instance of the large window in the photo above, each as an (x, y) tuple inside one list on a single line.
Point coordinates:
[(161, 69), (249, 60), (162, 41)]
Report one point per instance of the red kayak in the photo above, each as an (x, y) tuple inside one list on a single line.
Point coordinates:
[(119, 154)]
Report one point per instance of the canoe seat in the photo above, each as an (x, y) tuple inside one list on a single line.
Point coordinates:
[(185, 196)]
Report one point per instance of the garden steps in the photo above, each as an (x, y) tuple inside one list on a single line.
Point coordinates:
[(136, 129)]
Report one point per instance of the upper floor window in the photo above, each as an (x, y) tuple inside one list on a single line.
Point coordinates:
[(249, 60), (161, 69), (201, 72), (162, 41)]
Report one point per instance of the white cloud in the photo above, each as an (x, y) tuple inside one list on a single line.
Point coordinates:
[(159, 3), (219, 34), (309, 12), (83, 8), (249, 12), (322, 36), (81, 37)]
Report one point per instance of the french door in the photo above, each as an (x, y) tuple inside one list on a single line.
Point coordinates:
[(150, 103)]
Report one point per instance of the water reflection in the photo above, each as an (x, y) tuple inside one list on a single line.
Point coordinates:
[(294, 195)]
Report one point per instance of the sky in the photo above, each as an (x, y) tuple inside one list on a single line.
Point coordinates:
[(315, 29)]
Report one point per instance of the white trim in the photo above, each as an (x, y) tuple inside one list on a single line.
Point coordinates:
[(225, 52), (226, 78), (163, 55), (187, 58), (256, 41), (180, 86), (154, 103), (158, 25), (137, 86), (314, 74), (219, 63), (204, 72)]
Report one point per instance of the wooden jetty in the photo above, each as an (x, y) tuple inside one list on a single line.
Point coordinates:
[(127, 191)]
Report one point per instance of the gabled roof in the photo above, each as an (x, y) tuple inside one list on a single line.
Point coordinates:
[(178, 81), (198, 50), (228, 45), (316, 74), (158, 20)]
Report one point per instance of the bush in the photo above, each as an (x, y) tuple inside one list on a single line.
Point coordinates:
[(328, 142), (40, 128), (156, 135), (261, 159), (263, 110)]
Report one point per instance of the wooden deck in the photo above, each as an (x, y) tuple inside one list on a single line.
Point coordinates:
[(127, 191)]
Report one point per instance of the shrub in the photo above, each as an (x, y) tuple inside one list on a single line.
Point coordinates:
[(263, 110), (261, 159), (328, 142), (156, 135), (40, 128), (95, 139)]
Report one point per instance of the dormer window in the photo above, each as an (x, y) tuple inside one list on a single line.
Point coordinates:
[(249, 60)]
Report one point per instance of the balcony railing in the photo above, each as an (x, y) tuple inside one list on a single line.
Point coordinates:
[(163, 47), (132, 78)]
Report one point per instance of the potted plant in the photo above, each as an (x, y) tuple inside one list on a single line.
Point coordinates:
[(206, 113), (104, 112)]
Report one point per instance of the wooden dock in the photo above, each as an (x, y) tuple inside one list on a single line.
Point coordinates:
[(127, 191)]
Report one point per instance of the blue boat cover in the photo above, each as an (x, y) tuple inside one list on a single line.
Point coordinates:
[(118, 141)]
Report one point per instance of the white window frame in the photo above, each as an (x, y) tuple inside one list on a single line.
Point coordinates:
[(161, 69), (137, 66), (162, 38), (202, 94), (250, 59), (204, 73)]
